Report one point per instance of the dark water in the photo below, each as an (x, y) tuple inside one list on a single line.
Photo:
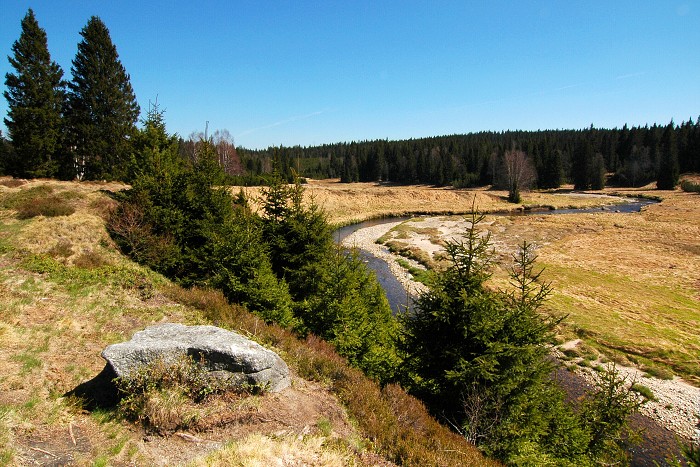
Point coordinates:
[(396, 293)]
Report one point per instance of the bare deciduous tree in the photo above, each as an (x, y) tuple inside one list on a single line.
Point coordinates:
[(519, 172), (226, 150)]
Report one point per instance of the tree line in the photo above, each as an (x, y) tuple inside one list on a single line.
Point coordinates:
[(633, 156)]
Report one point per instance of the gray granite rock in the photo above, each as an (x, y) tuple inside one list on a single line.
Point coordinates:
[(228, 357)]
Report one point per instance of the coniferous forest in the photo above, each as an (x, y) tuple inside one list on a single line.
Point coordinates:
[(634, 156)]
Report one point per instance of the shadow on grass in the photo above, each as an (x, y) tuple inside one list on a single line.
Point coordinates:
[(98, 393)]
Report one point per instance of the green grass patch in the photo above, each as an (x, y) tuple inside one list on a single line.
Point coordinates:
[(615, 313), (324, 426), (644, 391), (419, 275), (78, 279), (28, 359), (658, 372)]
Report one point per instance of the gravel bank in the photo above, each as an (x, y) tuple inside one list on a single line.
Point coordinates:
[(365, 239)]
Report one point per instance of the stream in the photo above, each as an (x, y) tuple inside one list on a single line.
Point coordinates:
[(397, 295)]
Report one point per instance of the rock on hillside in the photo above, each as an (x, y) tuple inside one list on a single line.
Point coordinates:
[(228, 357)]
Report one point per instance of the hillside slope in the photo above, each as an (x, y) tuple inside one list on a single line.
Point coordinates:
[(66, 293)]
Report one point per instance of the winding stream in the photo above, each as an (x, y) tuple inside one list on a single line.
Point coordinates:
[(396, 293)]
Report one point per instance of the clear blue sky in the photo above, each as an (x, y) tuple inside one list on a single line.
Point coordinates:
[(303, 72)]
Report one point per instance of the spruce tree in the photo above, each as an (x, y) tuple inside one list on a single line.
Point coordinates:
[(35, 96), (597, 172), (581, 165), (102, 108), (668, 173)]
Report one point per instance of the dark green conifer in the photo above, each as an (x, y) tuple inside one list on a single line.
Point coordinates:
[(581, 165), (102, 108), (669, 171), (35, 96), (597, 172)]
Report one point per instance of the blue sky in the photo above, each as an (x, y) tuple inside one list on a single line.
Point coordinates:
[(303, 72)]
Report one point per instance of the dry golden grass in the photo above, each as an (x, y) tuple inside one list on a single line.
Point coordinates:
[(347, 203), (262, 451)]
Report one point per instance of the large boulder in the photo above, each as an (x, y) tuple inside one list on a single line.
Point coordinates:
[(229, 358)]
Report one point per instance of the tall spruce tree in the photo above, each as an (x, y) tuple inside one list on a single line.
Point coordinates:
[(669, 171), (102, 109), (581, 165), (35, 95)]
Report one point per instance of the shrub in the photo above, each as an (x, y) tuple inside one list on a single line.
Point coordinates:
[(63, 248), (89, 260), (659, 372), (49, 206), (691, 187), (13, 200), (162, 395)]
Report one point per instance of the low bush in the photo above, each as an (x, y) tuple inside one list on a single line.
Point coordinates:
[(12, 200), (162, 395), (62, 249), (658, 372), (49, 206), (90, 260), (691, 187)]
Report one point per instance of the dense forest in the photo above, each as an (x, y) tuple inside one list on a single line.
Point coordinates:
[(634, 156)]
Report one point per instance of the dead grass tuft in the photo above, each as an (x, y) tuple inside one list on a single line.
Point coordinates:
[(12, 182), (261, 451), (90, 259), (62, 249)]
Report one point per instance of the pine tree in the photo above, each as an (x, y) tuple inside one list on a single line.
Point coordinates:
[(581, 165), (35, 96), (597, 172), (668, 173), (102, 108)]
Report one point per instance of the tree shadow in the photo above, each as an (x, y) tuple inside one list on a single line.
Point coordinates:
[(98, 393)]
